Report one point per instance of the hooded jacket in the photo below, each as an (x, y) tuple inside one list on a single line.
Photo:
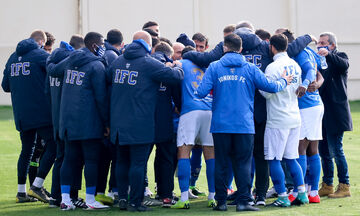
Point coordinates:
[(24, 77), (83, 108), (233, 81), (164, 107), (255, 51), (135, 78), (111, 52), (55, 83)]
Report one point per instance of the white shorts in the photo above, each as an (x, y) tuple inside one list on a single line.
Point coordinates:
[(281, 143), (194, 127), (311, 123)]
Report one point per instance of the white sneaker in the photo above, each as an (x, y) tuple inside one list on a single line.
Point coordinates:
[(191, 195), (67, 206), (271, 193), (96, 205), (148, 192), (111, 194)]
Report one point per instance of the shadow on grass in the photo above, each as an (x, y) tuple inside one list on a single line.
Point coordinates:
[(6, 113)]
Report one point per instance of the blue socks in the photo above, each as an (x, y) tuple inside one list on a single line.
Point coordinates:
[(210, 174), (65, 189), (91, 190), (314, 171), (195, 162), (277, 176), (296, 171), (184, 174), (303, 163)]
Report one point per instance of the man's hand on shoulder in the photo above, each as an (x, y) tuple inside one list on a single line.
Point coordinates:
[(288, 78)]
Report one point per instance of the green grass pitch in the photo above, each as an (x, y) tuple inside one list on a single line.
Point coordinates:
[(10, 148)]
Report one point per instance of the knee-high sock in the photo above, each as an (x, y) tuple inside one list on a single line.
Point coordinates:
[(210, 174), (184, 174), (277, 176), (302, 160), (314, 171), (296, 171), (195, 162)]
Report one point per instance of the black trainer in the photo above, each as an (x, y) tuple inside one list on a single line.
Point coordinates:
[(222, 207), (141, 208), (23, 197), (54, 203), (39, 194), (123, 204), (242, 207), (79, 203), (260, 201)]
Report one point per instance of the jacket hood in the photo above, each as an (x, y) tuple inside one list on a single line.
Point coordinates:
[(108, 46), (26, 46), (232, 59), (66, 46), (82, 57), (161, 57), (249, 39), (135, 50)]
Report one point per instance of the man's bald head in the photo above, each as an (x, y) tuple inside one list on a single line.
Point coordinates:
[(143, 35), (178, 47)]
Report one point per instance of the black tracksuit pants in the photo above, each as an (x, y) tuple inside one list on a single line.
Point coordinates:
[(28, 144), (261, 165), (131, 161), (239, 148)]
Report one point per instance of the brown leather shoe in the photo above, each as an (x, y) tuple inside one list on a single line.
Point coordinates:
[(325, 189), (342, 190)]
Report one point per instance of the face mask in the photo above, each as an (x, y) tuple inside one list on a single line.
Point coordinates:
[(100, 51), (326, 47)]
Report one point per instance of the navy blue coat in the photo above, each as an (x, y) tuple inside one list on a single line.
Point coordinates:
[(333, 92), (83, 108), (24, 77), (135, 78), (255, 51), (55, 83), (164, 127), (111, 52)]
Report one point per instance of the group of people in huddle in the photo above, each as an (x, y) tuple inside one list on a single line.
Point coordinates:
[(256, 106)]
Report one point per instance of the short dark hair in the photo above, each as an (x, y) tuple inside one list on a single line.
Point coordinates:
[(264, 35), (200, 37), (77, 41), (91, 38), (114, 37), (233, 42), (229, 28), (149, 24), (280, 42), (166, 41), (155, 41), (50, 39), (151, 32), (289, 35), (164, 48), (187, 49)]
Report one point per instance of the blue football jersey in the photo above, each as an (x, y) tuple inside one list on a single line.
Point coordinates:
[(192, 78)]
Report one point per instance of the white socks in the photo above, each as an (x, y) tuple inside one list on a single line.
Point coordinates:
[(65, 198), (22, 188), (184, 196), (38, 182), (211, 196), (90, 198), (301, 189), (313, 193)]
